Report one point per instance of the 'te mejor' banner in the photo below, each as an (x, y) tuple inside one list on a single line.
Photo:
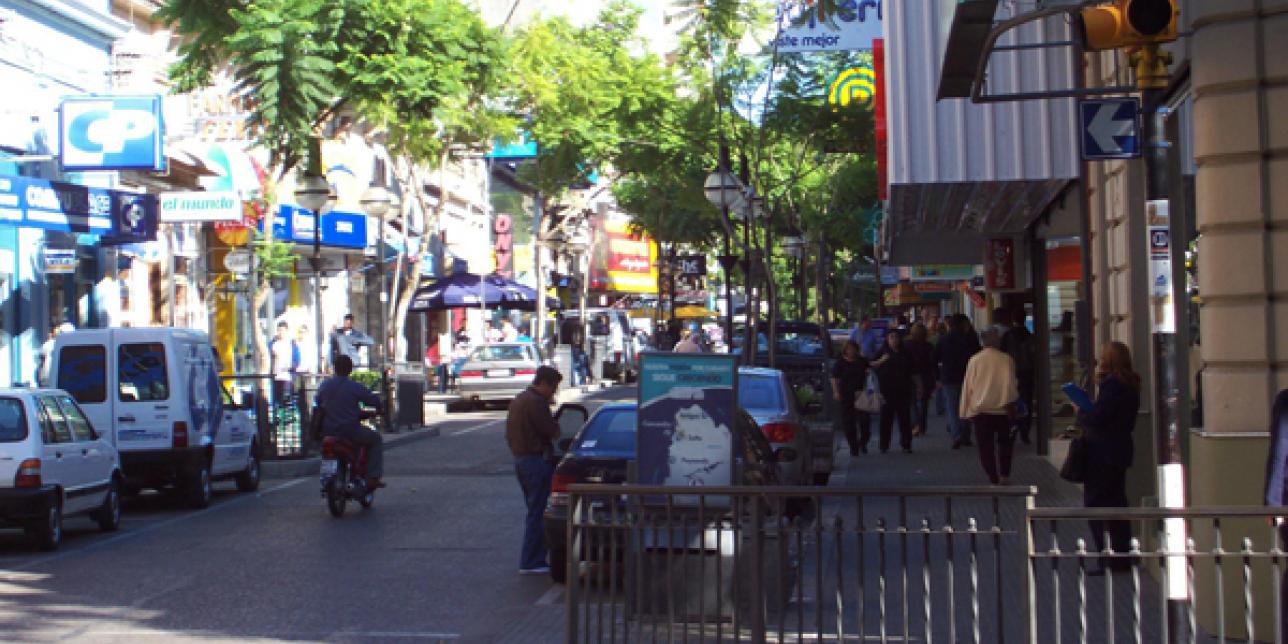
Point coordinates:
[(827, 25)]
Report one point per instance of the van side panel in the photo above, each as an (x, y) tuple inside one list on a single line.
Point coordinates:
[(83, 366)]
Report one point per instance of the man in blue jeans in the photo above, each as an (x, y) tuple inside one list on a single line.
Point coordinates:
[(530, 430), (952, 354)]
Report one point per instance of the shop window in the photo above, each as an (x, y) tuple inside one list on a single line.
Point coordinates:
[(82, 372), (143, 375)]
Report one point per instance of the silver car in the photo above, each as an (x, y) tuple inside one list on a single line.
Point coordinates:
[(769, 398), (498, 371)]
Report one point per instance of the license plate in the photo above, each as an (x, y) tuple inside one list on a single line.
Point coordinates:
[(328, 467), (498, 373)]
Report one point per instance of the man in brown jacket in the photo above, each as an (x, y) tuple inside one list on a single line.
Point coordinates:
[(530, 430)]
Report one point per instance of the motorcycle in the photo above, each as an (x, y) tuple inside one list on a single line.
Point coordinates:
[(344, 473)]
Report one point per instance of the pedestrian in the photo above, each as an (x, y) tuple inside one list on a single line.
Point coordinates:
[(1277, 487), (937, 333), (867, 337), (1018, 343), (509, 333), (690, 344), (1107, 431), (348, 341), (988, 400), (895, 376), (530, 431), (925, 375), (952, 354), (284, 356), (849, 377), (492, 333)]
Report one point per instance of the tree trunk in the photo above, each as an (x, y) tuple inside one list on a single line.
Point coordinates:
[(263, 292)]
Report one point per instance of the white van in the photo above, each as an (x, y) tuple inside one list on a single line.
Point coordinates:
[(156, 393)]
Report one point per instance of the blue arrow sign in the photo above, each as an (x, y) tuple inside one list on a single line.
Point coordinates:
[(1110, 128)]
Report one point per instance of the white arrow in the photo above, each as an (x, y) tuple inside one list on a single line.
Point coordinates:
[(1104, 128)]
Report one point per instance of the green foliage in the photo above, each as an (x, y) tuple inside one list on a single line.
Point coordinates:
[(419, 67), (367, 378), (276, 258)]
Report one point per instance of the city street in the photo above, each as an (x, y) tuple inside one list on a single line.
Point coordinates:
[(435, 559)]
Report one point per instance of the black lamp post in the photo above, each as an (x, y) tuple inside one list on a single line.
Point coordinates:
[(725, 191)]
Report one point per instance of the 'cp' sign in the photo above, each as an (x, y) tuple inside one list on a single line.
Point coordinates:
[(119, 133)]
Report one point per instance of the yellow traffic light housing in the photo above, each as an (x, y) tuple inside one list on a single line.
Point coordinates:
[(1126, 23)]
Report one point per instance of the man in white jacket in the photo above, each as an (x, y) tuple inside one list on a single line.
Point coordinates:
[(989, 392)]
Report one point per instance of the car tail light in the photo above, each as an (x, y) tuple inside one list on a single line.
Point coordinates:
[(471, 374), (559, 487), (179, 439), (28, 474), (525, 372), (779, 432)]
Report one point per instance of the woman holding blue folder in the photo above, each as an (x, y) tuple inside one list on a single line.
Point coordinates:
[(1107, 429)]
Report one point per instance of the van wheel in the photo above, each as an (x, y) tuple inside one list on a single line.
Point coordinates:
[(48, 534), (199, 490), (108, 516), (248, 479)]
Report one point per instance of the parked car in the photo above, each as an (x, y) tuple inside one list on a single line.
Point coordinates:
[(804, 355), (602, 452), (498, 371), (53, 464), (767, 395), (155, 394)]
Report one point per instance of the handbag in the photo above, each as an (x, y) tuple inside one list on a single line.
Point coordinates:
[(870, 399), (1075, 462)]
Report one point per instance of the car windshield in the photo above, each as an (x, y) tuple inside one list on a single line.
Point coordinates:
[(610, 430), (500, 353), (13, 424), (760, 393)]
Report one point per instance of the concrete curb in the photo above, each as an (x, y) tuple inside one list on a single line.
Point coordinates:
[(297, 468)]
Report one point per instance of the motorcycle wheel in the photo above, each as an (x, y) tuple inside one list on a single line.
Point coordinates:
[(336, 496)]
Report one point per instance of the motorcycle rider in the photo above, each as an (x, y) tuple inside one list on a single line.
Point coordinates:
[(338, 398)]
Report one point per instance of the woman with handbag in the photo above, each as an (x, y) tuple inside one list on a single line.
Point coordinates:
[(849, 377), (1107, 429)]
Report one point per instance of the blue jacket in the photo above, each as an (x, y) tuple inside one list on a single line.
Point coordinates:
[(1277, 458), (1109, 424), (339, 396)]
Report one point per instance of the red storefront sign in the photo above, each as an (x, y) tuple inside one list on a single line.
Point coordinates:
[(999, 264), (504, 245)]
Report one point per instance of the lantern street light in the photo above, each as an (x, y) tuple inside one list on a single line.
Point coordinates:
[(723, 189), (797, 246), (312, 193)]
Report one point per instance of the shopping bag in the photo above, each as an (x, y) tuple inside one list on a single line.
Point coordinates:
[(870, 399)]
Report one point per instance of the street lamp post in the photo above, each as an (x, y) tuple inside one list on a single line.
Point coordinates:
[(724, 190), (376, 202), (312, 193)]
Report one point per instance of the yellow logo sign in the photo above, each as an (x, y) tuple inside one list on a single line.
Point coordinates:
[(856, 84)]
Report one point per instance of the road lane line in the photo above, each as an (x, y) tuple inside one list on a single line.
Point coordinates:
[(157, 526), (475, 428), (552, 596)]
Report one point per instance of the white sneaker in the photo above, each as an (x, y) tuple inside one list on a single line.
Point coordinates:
[(539, 570)]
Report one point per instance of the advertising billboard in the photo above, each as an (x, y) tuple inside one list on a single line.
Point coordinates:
[(687, 406), (111, 133)]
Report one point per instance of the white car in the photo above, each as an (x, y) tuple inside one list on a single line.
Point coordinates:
[(54, 464)]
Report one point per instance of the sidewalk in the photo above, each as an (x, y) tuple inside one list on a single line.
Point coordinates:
[(935, 462)]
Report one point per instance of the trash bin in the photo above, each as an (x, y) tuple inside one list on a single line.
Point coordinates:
[(409, 395)]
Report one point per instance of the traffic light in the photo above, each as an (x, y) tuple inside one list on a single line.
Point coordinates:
[(1125, 23)]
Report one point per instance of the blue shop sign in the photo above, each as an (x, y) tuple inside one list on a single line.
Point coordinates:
[(340, 229), (120, 217), (111, 133)]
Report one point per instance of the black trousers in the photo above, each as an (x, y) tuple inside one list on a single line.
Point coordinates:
[(897, 407), (994, 430), (857, 425), (1106, 487)]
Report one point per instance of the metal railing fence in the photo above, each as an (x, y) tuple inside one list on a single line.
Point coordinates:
[(927, 564)]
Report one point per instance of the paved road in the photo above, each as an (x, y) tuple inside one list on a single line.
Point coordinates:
[(435, 559)]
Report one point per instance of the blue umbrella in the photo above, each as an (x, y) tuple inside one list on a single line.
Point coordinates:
[(463, 290)]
